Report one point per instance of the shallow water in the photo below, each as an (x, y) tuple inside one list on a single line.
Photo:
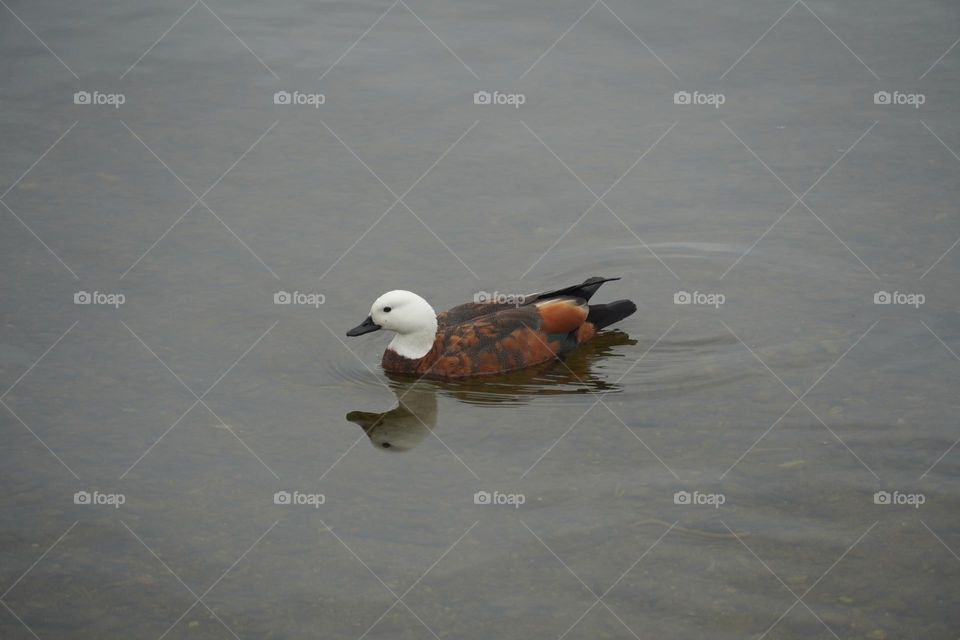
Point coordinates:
[(198, 399)]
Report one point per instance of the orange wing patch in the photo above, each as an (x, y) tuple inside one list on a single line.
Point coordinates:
[(562, 315), (585, 332)]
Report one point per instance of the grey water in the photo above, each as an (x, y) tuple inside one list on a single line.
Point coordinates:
[(766, 449)]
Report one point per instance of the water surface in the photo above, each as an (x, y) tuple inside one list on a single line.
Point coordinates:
[(199, 399)]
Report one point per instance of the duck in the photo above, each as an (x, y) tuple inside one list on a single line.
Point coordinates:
[(492, 335)]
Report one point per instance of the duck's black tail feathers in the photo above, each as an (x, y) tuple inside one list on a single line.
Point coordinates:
[(604, 315), (584, 290)]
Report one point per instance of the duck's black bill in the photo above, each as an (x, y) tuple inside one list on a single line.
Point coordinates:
[(367, 326)]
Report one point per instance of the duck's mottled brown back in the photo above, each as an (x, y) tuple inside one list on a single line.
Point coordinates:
[(506, 340)]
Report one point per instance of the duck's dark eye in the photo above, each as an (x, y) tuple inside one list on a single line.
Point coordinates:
[(386, 309)]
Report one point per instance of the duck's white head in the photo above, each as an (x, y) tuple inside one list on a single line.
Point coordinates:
[(407, 314)]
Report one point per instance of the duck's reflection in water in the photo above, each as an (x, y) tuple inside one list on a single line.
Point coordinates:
[(415, 415)]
